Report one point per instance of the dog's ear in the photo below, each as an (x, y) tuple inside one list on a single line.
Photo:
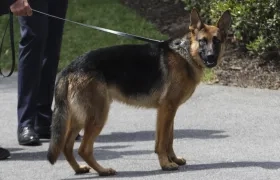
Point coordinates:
[(224, 23), (195, 21)]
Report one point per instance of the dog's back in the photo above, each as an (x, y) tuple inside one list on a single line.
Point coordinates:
[(135, 71)]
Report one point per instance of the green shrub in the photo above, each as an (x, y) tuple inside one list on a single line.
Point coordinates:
[(256, 23)]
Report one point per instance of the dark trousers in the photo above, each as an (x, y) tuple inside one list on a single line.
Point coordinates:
[(39, 51)]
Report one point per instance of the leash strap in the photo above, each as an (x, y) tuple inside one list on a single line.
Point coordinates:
[(103, 29), (10, 22)]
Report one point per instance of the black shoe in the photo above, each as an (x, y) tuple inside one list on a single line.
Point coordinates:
[(44, 135), (79, 137), (4, 154), (43, 132), (27, 136)]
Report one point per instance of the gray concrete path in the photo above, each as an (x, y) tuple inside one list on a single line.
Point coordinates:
[(224, 133)]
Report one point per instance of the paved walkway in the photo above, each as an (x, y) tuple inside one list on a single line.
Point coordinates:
[(224, 133)]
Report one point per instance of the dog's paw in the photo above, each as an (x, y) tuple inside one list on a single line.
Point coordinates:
[(179, 160), (83, 170), (170, 167), (107, 172)]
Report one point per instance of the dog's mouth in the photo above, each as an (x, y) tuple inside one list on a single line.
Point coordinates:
[(210, 61), (210, 64)]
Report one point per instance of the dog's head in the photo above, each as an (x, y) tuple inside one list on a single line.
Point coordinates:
[(208, 41)]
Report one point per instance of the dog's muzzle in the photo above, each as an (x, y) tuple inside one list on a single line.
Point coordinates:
[(210, 61)]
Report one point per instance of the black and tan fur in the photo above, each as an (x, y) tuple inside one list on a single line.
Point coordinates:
[(160, 76)]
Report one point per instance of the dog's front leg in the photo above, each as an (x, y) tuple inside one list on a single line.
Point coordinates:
[(165, 117), (171, 154)]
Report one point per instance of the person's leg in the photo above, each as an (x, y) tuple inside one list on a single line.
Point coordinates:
[(33, 30), (49, 69)]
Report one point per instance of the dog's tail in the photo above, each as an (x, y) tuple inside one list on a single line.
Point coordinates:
[(59, 119)]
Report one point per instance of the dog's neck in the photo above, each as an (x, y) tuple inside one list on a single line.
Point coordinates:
[(182, 47)]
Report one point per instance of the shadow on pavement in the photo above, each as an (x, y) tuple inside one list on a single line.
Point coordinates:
[(150, 135), (106, 152), (15, 149), (195, 167), (101, 153)]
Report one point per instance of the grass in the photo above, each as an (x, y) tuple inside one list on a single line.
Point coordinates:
[(78, 39)]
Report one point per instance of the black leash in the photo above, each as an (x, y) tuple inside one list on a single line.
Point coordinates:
[(11, 24), (103, 29)]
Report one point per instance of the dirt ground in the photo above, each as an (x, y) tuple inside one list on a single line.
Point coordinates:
[(238, 68)]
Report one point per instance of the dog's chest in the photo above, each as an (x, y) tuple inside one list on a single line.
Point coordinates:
[(187, 89), (183, 77)]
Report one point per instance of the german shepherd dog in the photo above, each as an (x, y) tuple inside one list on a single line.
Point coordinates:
[(161, 76)]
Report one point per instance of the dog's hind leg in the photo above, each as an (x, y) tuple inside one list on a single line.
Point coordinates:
[(72, 132), (165, 117), (96, 119), (171, 154)]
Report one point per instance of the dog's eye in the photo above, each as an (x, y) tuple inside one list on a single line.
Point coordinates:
[(202, 42), (216, 40)]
